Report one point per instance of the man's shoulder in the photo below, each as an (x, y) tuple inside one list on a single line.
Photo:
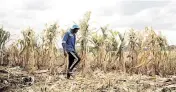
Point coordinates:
[(69, 33)]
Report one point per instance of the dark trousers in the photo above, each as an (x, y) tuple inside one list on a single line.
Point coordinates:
[(74, 59)]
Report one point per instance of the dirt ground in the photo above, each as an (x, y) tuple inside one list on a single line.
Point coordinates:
[(14, 79)]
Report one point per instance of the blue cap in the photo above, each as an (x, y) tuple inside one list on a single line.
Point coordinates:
[(75, 26)]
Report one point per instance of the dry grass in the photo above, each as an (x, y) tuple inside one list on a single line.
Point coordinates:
[(97, 81)]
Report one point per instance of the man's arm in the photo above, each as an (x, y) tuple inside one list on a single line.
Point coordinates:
[(64, 42)]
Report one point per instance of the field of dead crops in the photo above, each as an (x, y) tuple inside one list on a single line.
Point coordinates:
[(111, 61)]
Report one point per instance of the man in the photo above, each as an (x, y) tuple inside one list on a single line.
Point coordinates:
[(68, 44)]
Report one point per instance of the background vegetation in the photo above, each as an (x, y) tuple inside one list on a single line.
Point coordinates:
[(140, 52)]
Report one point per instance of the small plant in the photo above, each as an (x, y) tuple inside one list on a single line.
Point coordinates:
[(27, 49)]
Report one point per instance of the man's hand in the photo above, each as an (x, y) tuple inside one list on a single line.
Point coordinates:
[(65, 53)]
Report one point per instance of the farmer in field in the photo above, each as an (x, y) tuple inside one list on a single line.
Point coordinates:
[(68, 43)]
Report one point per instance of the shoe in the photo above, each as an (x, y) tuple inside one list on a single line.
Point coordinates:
[(68, 75)]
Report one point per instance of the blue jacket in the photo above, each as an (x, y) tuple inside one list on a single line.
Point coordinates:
[(69, 41)]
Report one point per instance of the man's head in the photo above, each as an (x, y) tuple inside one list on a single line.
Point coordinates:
[(75, 29)]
